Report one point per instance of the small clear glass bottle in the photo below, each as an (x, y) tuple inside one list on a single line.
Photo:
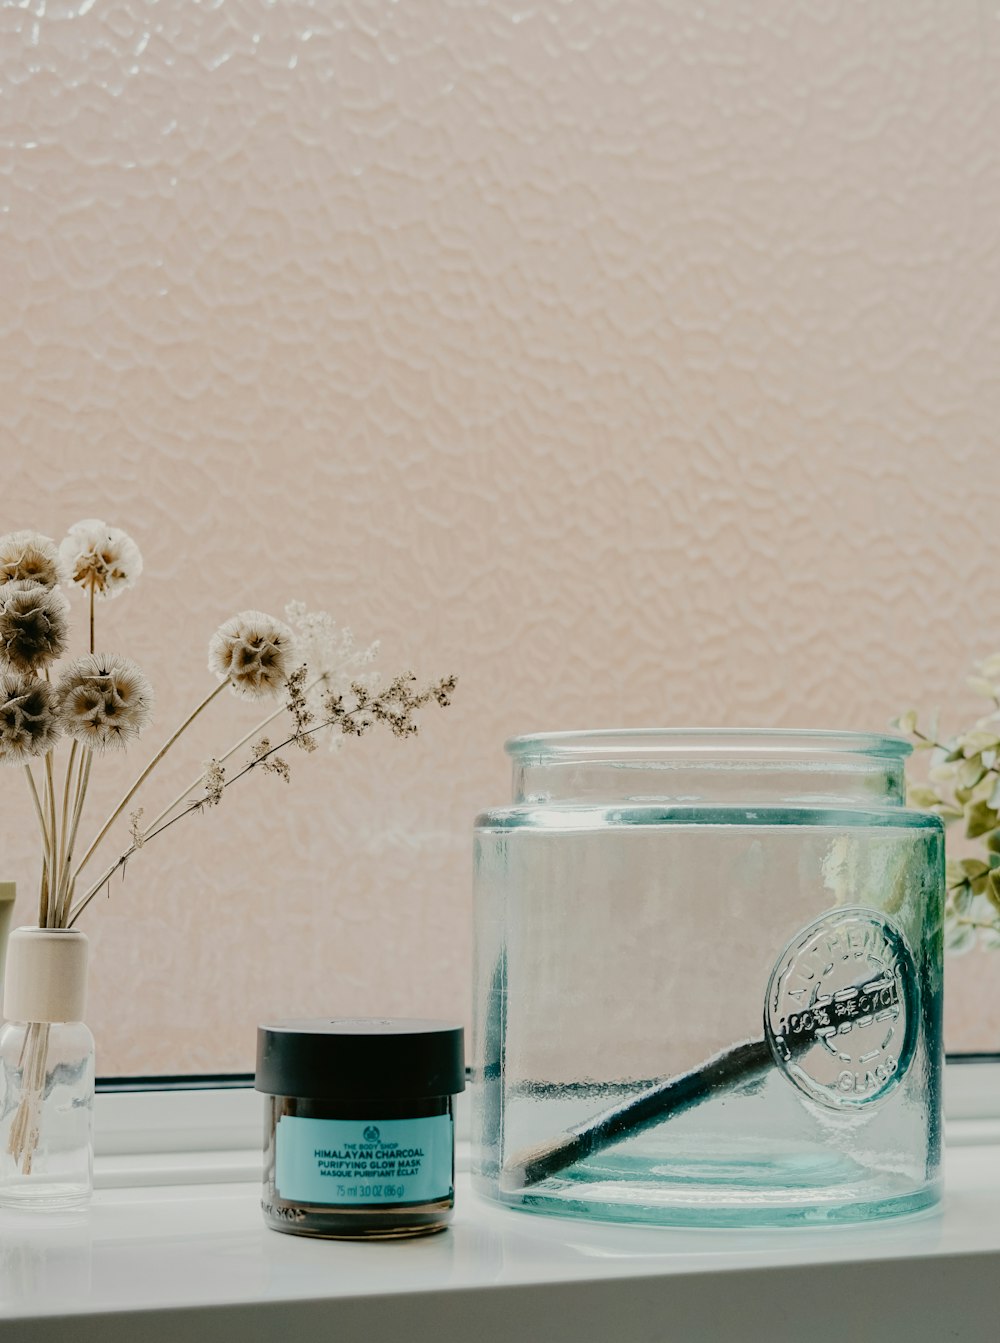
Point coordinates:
[(46, 1073), (359, 1132)]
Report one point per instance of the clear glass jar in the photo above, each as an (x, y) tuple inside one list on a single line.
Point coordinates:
[(708, 980), (46, 1123)]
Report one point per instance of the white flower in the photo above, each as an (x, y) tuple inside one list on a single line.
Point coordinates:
[(985, 679), (32, 557), (332, 659), (959, 937), (100, 556), (104, 700), (34, 625), (28, 723), (252, 651)]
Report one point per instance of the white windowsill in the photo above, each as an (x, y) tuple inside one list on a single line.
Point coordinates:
[(184, 1255)]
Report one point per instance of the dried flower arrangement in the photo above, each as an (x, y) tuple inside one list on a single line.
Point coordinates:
[(963, 787), (103, 701)]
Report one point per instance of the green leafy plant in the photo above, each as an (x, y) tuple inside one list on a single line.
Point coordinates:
[(962, 785)]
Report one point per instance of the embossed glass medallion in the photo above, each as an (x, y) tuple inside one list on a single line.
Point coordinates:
[(842, 1008)]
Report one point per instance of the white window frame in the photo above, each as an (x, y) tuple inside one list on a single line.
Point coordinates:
[(205, 1134)]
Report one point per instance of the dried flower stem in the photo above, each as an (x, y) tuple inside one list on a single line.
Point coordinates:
[(43, 893), (67, 881), (79, 793), (43, 827), (74, 747), (60, 881), (145, 774), (50, 795), (195, 783), (367, 710), (64, 827), (99, 885)]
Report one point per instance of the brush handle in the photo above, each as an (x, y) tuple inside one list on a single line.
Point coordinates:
[(741, 1063)]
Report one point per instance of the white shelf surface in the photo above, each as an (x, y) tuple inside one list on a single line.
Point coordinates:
[(193, 1261)]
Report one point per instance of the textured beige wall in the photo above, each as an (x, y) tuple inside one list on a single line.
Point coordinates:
[(636, 361)]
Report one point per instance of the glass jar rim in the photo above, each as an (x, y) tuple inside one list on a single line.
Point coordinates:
[(745, 742)]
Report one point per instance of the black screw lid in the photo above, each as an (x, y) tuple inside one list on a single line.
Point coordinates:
[(360, 1058)]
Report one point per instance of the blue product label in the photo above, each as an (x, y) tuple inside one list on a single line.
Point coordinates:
[(336, 1161)]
